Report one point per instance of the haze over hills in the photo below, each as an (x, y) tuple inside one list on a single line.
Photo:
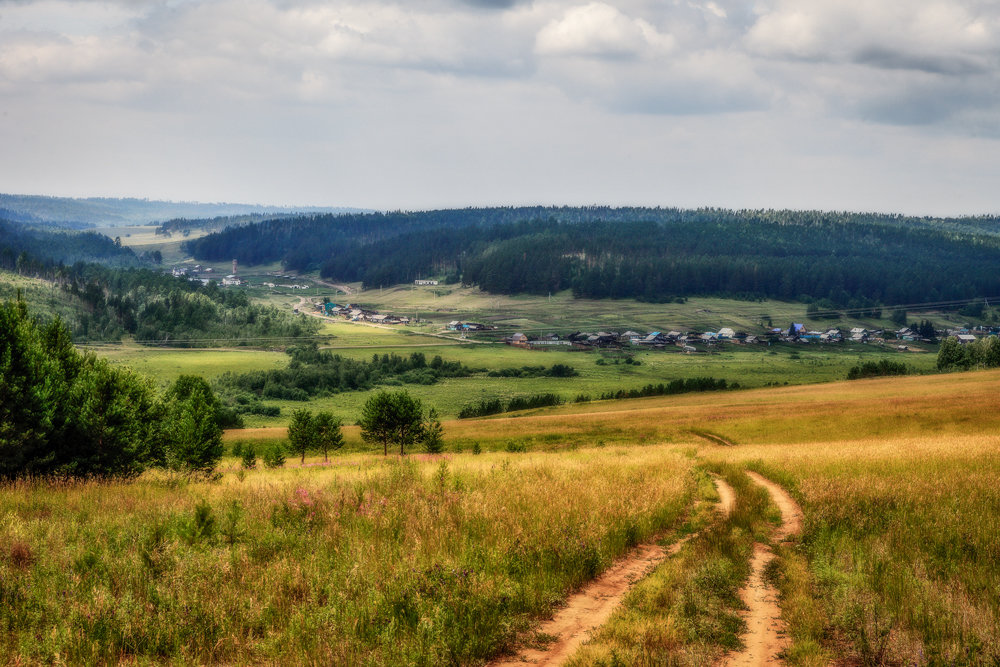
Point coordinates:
[(114, 212)]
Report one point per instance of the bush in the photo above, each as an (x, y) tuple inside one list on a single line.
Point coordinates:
[(63, 413), (871, 369), (249, 459), (433, 437), (274, 456), (192, 434)]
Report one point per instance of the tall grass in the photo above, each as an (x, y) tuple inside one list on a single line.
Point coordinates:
[(431, 560), (901, 545)]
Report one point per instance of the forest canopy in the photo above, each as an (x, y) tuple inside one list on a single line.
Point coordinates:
[(847, 259)]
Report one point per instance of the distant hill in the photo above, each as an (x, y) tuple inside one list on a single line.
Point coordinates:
[(42, 248), (109, 212), (833, 259)]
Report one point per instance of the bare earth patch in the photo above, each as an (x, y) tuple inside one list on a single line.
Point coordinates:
[(593, 605), (765, 637)]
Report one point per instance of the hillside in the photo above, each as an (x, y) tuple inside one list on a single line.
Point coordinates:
[(108, 211), (836, 260)]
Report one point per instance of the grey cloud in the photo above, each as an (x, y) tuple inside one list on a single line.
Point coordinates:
[(885, 58), (493, 4), (927, 102)]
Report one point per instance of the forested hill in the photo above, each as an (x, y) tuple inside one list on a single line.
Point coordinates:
[(652, 254), (111, 211), (44, 248)]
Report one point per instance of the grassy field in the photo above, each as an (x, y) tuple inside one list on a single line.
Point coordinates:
[(434, 560), (450, 559), (561, 312), (751, 366)]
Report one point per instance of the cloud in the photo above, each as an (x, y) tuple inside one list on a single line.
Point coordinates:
[(953, 37), (601, 31), (355, 97)]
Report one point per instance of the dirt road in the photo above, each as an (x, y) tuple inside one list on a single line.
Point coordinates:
[(765, 636), (592, 606)]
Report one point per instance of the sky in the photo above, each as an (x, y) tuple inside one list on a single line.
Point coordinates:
[(890, 106)]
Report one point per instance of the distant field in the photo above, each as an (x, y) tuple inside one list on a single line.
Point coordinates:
[(751, 366), (44, 298), (561, 312), (165, 365)]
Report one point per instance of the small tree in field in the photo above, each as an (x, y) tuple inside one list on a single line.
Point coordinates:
[(327, 433), (433, 433), (395, 418), (192, 433), (301, 433)]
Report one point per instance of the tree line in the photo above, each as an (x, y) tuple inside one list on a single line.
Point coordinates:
[(846, 259), (983, 353), (313, 372)]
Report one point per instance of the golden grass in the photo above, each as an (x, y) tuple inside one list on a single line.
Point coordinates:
[(367, 560)]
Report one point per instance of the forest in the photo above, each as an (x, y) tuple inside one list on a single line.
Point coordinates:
[(844, 259), (114, 293)]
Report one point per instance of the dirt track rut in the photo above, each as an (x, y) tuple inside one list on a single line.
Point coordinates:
[(765, 637), (591, 607)]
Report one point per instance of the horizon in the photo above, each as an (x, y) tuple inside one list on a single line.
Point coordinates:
[(356, 209)]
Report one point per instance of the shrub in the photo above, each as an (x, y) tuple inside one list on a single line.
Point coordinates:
[(192, 434), (274, 456), (249, 460), (63, 413)]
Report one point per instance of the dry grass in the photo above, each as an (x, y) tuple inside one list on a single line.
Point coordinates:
[(901, 547), (366, 561)]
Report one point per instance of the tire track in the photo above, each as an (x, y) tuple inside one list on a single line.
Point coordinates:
[(765, 637), (591, 607)]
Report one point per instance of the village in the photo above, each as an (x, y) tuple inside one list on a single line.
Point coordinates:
[(694, 342), (689, 342)]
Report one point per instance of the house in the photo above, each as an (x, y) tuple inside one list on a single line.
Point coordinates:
[(630, 337), (518, 340), (231, 280), (725, 333), (796, 329), (654, 338), (965, 339)]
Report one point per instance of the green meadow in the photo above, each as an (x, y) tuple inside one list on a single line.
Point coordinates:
[(599, 371)]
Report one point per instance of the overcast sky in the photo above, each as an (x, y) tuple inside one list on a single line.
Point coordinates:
[(887, 105)]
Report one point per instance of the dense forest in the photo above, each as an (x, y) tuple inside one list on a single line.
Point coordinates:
[(112, 295), (843, 259), (37, 249), (156, 308)]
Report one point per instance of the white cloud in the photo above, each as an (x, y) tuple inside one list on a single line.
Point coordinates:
[(928, 35), (600, 30)]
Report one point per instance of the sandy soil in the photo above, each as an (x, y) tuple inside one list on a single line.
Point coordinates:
[(591, 607), (765, 637)]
